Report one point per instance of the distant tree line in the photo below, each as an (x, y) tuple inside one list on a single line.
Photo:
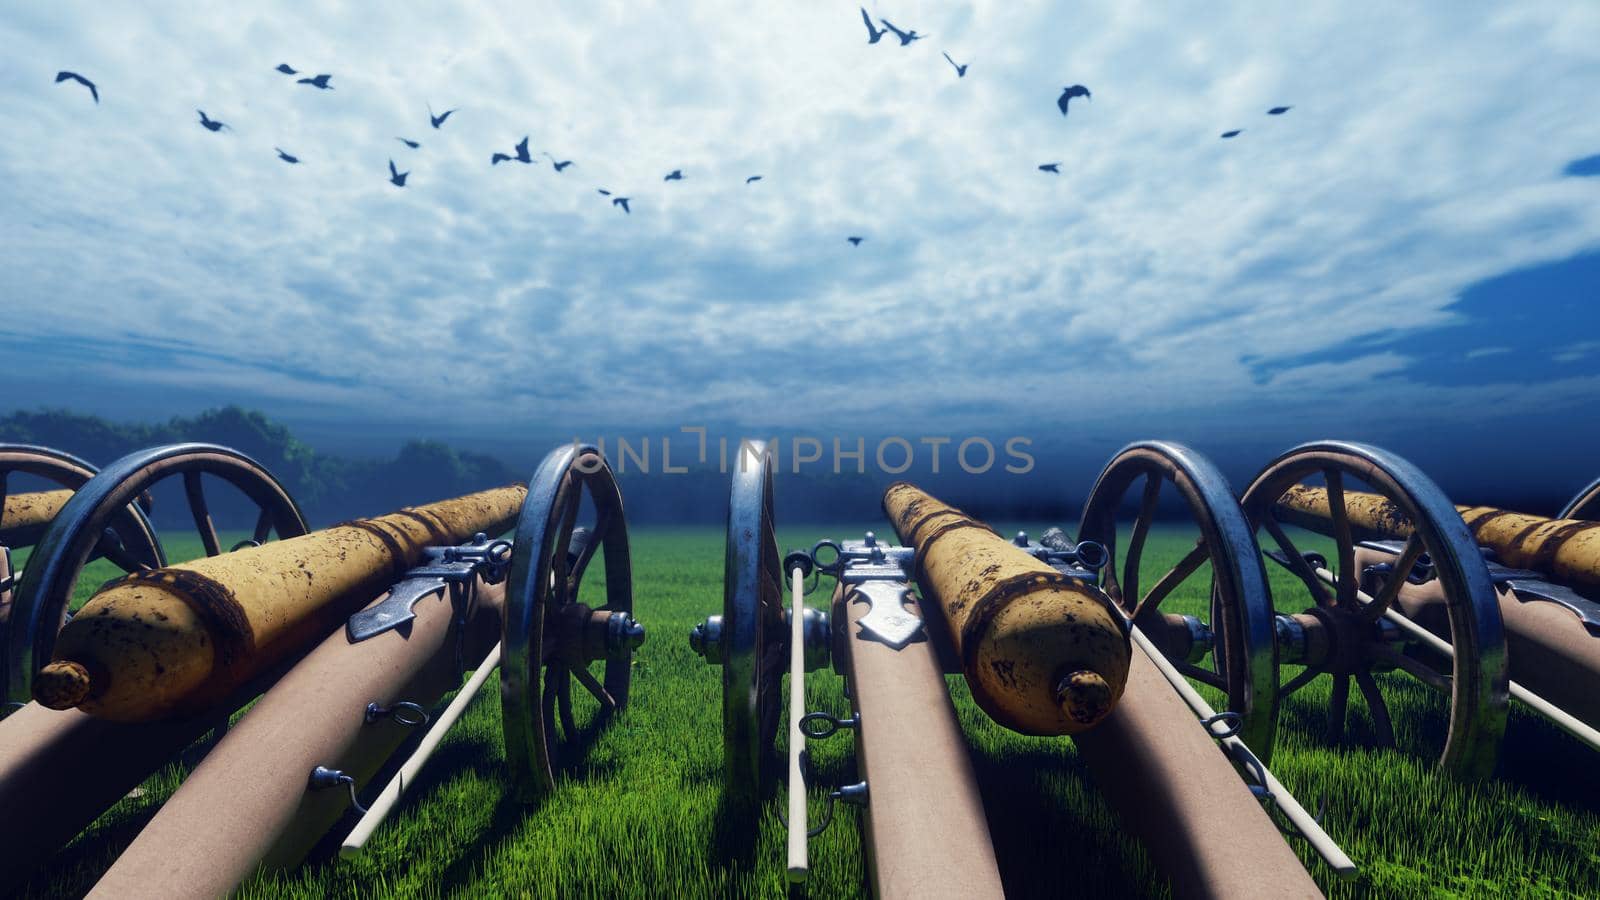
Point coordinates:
[(330, 488)]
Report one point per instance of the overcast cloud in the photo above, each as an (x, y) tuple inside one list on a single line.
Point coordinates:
[(1164, 276)]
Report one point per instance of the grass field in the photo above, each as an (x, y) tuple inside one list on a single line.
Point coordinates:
[(637, 815)]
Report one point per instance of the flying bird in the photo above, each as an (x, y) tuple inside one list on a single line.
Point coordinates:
[(1052, 168), (320, 82), (906, 37), (1067, 93), (397, 177), (961, 71), (408, 142), (286, 69), (1278, 110), (622, 202), (603, 192), (874, 35), (854, 240), (1232, 134), (752, 179), (209, 123), (521, 157), (559, 164), (674, 175), (74, 76), (439, 119), (291, 160)]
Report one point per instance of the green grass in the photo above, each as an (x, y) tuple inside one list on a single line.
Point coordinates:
[(638, 814)]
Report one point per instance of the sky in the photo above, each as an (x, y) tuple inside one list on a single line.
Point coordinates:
[(1410, 255)]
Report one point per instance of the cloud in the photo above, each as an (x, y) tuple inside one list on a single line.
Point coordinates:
[(1159, 277)]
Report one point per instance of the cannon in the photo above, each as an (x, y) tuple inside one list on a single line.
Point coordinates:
[(54, 764), (25, 515), (408, 604), (1045, 651), (1545, 572), (1443, 621)]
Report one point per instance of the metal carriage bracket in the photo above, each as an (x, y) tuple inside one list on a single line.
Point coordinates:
[(456, 569)]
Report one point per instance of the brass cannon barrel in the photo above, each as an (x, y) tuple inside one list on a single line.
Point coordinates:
[(24, 517), (1567, 550), (1044, 653), (173, 641)]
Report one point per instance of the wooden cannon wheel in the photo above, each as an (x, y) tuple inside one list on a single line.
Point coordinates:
[(1353, 624), (550, 638), (1244, 660)]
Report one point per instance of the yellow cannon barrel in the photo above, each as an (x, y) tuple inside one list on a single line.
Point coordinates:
[(1043, 653), (172, 641), (25, 516), (1567, 550)]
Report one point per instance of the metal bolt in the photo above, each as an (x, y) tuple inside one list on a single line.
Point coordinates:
[(871, 540), (853, 794), (623, 634), (706, 639)]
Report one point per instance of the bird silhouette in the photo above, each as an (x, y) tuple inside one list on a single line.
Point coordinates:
[(906, 37), (439, 119), (209, 123), (603, 192), (1278, 110), (874, 35), (622, 202), (397, 177), (1067, 93), (854, 240), (961, 71), (320, 82), (1232, 134), (1052, 168), (287, 69), (559, 165), (521, 157), (408, 142), (752, 179), (674, 175), (291, 160), (74, 76)]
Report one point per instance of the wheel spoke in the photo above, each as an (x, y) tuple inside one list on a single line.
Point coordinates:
[(1336, 708), (263, 527), (1416, 668), (1346, 589), (1205, 676), (202, 515), (594, 539), (112, 548), (1141, 530), (563, 683), (1297, 563), (1174, 577), (607, 702), (1397, 579), (1376, 706), (1306, 676)]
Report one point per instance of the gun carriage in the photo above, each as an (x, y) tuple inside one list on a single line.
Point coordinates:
[(1045, 651), (351, 637), (1404, 588)]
